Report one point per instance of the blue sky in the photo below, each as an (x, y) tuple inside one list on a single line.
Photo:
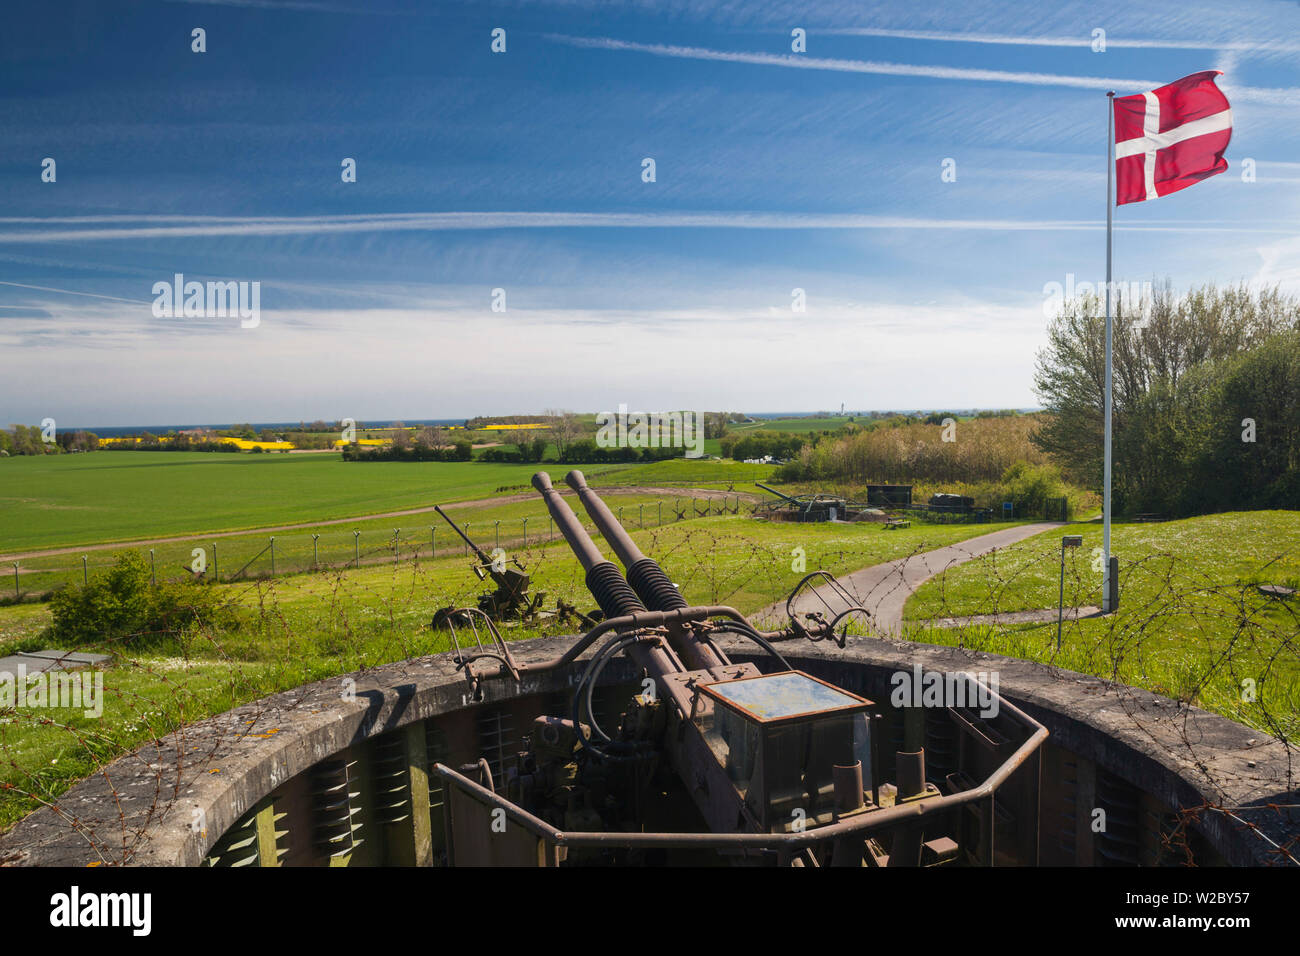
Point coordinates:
[(522, 171)]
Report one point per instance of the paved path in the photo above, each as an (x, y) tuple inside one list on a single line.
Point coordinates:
[(883, 589)]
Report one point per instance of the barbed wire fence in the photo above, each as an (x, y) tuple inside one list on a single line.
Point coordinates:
[(1221, 645)]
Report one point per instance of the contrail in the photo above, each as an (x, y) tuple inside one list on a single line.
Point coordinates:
[(455, 221), (1003, 39), (800, 62), (796, 61), (92, 295)]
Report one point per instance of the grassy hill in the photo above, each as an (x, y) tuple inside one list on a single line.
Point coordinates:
[(1191, 623)]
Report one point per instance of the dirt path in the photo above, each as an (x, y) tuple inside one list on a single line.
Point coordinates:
[(448, 506), (883, 589)]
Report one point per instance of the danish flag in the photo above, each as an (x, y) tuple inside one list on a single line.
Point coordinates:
[(1170, 138)]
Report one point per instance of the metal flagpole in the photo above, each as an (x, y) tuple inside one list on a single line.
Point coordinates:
[(1110, 206)]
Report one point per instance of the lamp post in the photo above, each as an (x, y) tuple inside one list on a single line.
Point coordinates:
[(1069, 541)]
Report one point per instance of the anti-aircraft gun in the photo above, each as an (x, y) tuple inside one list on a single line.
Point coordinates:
[(512, 600), (718, 755)]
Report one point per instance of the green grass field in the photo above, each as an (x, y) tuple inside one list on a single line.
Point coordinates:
[(64, 500), (701, 473), (489, 523), (1190, 625), (73, 500), (796, 426)]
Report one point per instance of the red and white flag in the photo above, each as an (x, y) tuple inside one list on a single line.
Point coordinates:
[(1170, 138)]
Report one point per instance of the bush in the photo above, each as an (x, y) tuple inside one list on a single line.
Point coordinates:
[(1029, 487), (122, 605)]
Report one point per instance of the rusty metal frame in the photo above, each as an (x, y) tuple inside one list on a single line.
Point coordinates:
[(857, 825), (824, 628), (500, 651)]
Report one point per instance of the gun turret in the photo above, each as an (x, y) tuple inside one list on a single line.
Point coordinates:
[(778, 760), (646, 578)]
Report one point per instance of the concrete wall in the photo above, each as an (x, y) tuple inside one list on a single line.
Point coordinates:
[(171, 804)]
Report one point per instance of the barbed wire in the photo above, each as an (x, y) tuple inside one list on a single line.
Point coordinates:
[(1180, 633)]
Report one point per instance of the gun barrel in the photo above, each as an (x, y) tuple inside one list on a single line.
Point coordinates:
[(604, 580), (645, 575), (775, 492), (604, 519), (485, 558)]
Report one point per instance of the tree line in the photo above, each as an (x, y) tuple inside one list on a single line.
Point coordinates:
[(1206, 399), (30, 440)]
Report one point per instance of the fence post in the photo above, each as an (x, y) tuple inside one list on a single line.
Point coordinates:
[(315, 554), (433, 542), (216, 570), (85, 571), (641, 513), (153, 569), (467, 536), (397, 545), (498, 533), (18, 596), (272, 555), (356, 547), (550, 529), (661, 513), (525, 532)]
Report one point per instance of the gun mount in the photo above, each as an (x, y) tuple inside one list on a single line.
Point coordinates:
[(808, 507), (754, 765), (511, 600)]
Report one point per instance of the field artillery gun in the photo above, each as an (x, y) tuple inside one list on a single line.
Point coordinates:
[(807, 507), (511, 600), (719, 759)]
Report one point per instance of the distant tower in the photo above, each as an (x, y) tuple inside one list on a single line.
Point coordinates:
[(841, 409)]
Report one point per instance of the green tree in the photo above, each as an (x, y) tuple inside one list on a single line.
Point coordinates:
[(1156, 344)]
